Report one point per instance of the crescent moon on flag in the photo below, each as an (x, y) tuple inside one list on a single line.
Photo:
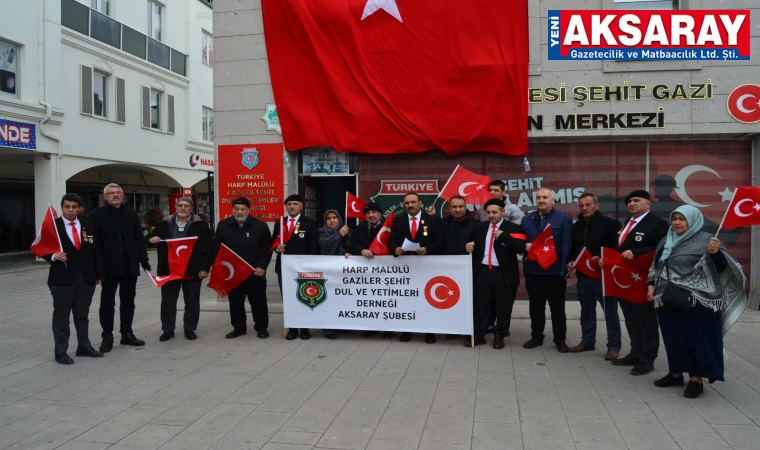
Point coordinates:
[(180, 248), (681, 178), (353, 206), (432, 292), (550, 237), (588, 264), (230, 268), (615, 279), (464, 186), (738, 211), (380, 233), (740, 104), (161, 278)]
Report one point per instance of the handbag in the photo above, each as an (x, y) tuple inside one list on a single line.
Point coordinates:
[(676, 297)]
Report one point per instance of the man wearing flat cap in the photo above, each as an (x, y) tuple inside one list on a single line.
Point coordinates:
[(303, 240), (182, 224), (640, 234), (249, 238)]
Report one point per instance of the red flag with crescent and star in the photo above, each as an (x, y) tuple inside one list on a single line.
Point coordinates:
[(625, 278), (379, 245), (228, 271), (744, 209), (354, 207), (542, 249), (179, 251), (47, 240), (467, 184), (586, 265), (159, 281), (400, 76)]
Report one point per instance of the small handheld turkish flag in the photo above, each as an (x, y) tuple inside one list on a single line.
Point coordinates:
[(160, 281), (379, 246), (542, 249), (179, 254), (467, 184), (625, 278), (354, 207), (744, 209), (47, 240), (586, 265), (228, 271)]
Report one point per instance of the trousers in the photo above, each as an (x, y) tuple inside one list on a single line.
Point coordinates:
[(643, 329), (543, 289), (127, 286), (256, 291), (74, 299), (590, 292), (191, 293), (492, 291)]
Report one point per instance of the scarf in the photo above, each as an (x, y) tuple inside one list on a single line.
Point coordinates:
[(691, 268), (695, 220), (330, 240)]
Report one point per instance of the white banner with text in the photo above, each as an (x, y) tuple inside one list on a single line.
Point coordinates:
[(421, 294)]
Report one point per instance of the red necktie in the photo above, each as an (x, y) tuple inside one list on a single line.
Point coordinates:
[(414, 227), (74, 233), (290, 226), (490, 246), (626, 231)]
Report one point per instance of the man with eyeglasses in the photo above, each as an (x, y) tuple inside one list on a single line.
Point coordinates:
[(123, 250)]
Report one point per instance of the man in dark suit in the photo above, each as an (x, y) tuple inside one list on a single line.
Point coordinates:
[(182, 224), (496, 274), (640, 234), (304, 240), (122, 247), (249, 238), (74, 272), (420, 228)]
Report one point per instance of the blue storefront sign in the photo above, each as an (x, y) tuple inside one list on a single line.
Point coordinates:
[(18, 135)]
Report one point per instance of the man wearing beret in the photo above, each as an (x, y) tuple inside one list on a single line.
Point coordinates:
[(640, 234), (303, 240), (496, 274), (249, 238), (362, 238), (182, 224)]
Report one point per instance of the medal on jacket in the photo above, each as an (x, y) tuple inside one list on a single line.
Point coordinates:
[(424, 230), (295, 230), (247, 234)]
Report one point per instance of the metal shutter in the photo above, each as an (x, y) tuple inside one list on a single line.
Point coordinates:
[(121, 112), (86, 90), (145, 107), (170, 121)]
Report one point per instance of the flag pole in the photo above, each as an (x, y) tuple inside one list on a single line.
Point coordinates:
[(447, 182), (726, 213), (604, 294), (575, 263), (345, 215), (282, 230), (52, 213)]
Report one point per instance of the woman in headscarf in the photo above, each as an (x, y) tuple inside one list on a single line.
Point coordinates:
[(698, 290), (334, 240)]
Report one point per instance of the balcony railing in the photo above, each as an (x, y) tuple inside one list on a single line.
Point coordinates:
[(89, 22)]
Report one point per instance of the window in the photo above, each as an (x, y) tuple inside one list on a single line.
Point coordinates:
[(9, 70), (154, 20), (647, 4), (101, 6), (208, 124), (207, 49), (155, 109), (99, 93)]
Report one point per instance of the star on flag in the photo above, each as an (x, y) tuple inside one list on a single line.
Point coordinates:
[(635, 276), (388, 6)]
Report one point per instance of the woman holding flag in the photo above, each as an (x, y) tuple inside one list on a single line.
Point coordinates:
[(698, 291), (334, 240)]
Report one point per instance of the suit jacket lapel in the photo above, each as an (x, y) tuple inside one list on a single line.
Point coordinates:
[(62, 233)]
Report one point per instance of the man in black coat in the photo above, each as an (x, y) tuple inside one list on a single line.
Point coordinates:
[(74, 272), (420, 228), (496, 273), (249, 238), (641, 234), (122, 247), (593, 231), (303, 240), (182, 224)]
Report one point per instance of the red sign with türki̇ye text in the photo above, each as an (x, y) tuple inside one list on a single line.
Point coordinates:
[(253, 171)]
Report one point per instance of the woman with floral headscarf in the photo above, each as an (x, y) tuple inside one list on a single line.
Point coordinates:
[(698, 291)]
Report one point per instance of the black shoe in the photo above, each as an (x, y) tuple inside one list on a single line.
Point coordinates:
[(669, 380), (292, 334), (235, 333), (262, 334), (480, 339), (429, 338), (451, 337), (405, 337), (305, 335), (693, 390), (387, 334), (131, 339), (642, 369), (369, 333), (498, 341), (562, 347), (625, 361), (166, 335), (63, 358), (331, 336), (107, 344), (190, 335), (533, 343), (89, 352)]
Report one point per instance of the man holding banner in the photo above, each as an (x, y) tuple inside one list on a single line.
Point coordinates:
[(591, 232), (182, 262)]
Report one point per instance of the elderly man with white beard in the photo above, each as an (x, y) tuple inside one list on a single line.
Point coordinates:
[(182, 224)]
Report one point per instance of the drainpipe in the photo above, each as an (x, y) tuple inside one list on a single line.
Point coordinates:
[(41, 84)]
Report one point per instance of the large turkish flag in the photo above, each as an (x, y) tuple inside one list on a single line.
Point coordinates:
[(399, 76)]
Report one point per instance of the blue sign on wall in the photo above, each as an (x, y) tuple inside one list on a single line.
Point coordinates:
[(18, 135)]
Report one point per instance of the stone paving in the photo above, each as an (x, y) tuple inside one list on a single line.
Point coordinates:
[(352, 393)]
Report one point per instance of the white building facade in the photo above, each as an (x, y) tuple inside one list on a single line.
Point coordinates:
[(102, 91)]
